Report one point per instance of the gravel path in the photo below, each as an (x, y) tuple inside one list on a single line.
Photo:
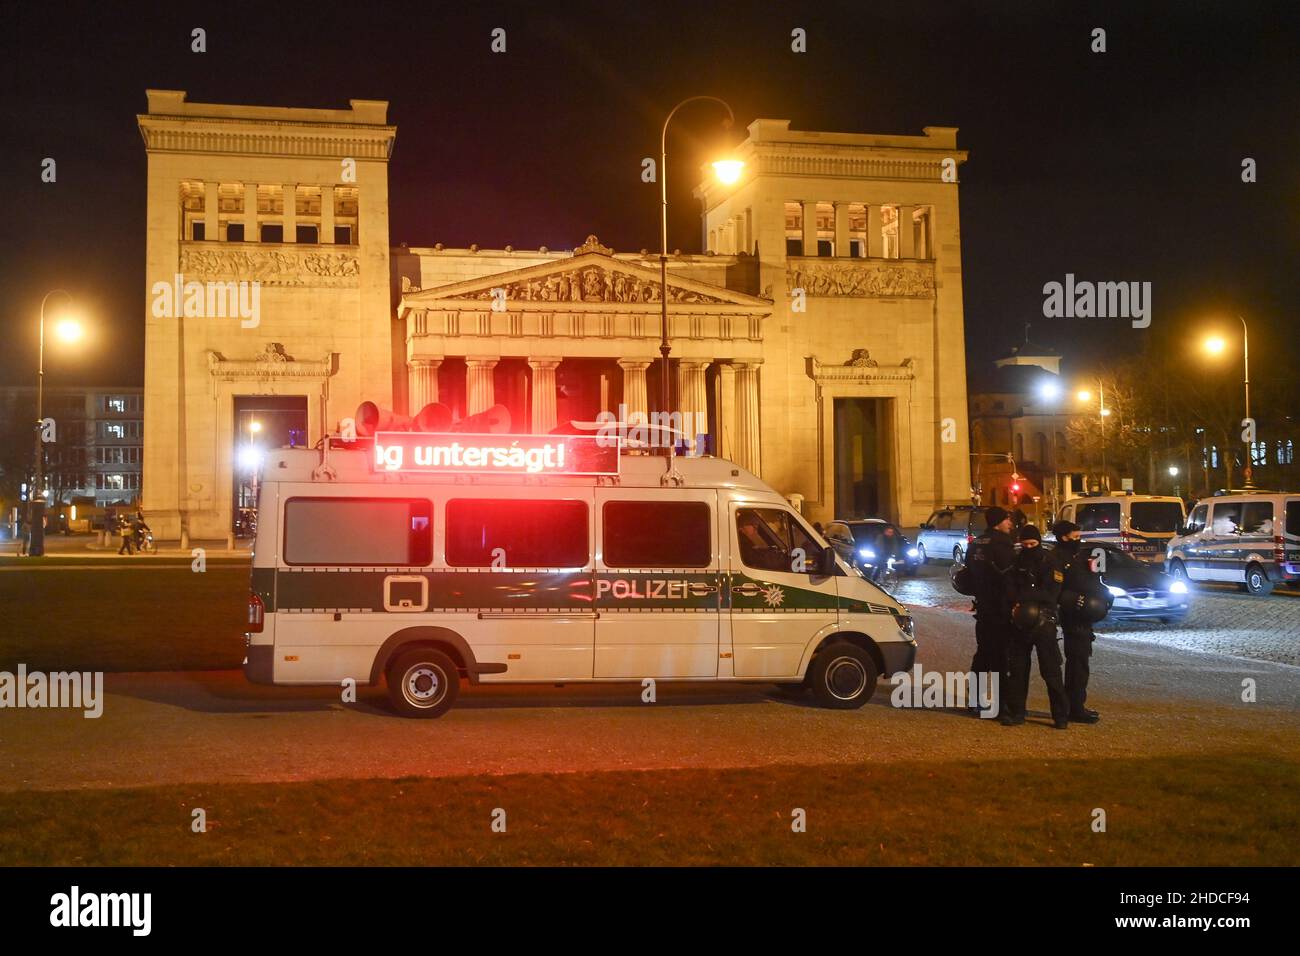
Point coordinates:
[(213, 726)]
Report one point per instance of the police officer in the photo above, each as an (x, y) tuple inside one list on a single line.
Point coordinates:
[(1036, 583), (1081, 581), (991, 558)]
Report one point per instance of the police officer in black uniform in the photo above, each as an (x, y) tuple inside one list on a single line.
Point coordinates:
[(991, 558), (1036, 583), (1081, 581)]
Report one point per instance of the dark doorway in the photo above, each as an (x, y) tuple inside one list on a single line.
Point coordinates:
[(262, 422), (863, 488)]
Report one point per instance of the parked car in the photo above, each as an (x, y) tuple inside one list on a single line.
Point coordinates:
[(1250, 538), (948, 532), (868, 531), (1141, 591)]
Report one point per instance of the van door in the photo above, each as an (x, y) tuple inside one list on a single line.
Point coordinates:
[(778, 601), (658, 583), (1220, 550)]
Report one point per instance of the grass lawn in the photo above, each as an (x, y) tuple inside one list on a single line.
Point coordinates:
[(123, 618), (1232, 810)]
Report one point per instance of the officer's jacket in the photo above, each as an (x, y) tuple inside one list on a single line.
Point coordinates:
[(992, 556), (1037, 576), (1080, 579)]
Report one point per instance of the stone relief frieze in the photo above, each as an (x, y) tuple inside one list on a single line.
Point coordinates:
[(272, 267), (592, 284), (861, 279)]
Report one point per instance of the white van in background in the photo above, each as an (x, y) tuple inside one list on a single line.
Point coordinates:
[(1250, 538), (421, 559), (1140, 525)]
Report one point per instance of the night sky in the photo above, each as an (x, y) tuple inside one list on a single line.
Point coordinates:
[(1122, 166)]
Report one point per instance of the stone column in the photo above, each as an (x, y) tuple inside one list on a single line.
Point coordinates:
[(543, 394), (726, 411), (211, 212), (749, 232), (290, 212), (250, 213), (327, 216), (842, 229), (809, 228), (479, 394), (635, 397), (875, 232), (906, 237), (422, 378), (692, 397), (747, 446)]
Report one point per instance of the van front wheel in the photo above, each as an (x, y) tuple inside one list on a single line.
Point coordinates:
[(423, 682), (1257, 581), (842, 676)]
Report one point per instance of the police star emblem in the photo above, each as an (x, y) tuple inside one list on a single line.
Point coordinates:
[(774, 596)]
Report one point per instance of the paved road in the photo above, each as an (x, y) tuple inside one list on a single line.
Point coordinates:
[(212, 726), (1221, 620)]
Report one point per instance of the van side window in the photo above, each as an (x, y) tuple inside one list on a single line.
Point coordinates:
[(768, 539), (1227, 517), (1099, 517), (1257, 518), (528, 534), (351, 532), (1196, 523), (657, 534), (942, 521), (1293, 518)]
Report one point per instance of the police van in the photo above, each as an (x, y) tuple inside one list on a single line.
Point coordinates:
[(1248, 538), (1140, 525), (420, 559)]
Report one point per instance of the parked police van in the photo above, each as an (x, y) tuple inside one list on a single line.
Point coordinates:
[(1140, 525), (1250, 538), (424, 558)]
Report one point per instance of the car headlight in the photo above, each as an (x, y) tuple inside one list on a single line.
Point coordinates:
[(866, 553), (1117, 592), (913, 553), (906, 626), (1178, 587)]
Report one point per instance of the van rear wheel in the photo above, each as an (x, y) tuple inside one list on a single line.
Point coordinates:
[(1257, 581), (842, 676), (423, 682)]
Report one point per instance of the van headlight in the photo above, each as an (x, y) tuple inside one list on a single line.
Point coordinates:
[(1117, 592), (913, 553), (906, 626), (1178, 587), (866, 553)]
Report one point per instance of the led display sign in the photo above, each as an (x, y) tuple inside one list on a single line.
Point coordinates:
[(451, 454)]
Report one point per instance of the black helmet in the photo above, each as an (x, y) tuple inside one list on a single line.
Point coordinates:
[(1028, 615), (1095, 607)]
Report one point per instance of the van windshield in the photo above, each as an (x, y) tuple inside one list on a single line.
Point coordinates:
[(1155, 517)]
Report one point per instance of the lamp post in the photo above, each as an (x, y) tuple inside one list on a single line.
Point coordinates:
[(728, 171), (1102, 411), (1215, 345), (70, 331)]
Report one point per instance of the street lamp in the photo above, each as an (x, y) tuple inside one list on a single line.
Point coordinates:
[(1216, 345), (1085, 396), (1050, 390), (727, 172), (67, 329)]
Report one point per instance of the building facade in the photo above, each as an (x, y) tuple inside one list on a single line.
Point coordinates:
[(818, 340), (97, 447)]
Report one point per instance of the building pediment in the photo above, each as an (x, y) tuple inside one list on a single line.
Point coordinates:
[(592, 276)]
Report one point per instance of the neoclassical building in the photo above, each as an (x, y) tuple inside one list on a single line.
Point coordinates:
[(818, 340)]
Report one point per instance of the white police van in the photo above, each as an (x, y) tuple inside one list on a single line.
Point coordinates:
[(1140, 525), (1248, 538), (421, 559)]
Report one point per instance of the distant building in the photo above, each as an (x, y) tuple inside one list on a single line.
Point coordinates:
[(1018, 430), (96, 453)]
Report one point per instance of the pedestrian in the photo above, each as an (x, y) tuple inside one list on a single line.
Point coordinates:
[(1082, 581), (24, 528), (138, 530), (991, 558), (1036, 582), (126, 532)]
